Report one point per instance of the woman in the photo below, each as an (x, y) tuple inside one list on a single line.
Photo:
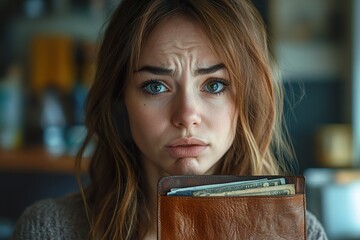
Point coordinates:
[(181, 87)]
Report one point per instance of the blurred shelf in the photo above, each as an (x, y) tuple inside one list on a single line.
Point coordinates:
[(37, 160)]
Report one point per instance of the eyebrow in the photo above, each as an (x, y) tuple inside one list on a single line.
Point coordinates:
[(210, 69), (155, 70), (169, 72)]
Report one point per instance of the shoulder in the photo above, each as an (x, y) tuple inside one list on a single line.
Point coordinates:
[(315, 230), (63, 218)]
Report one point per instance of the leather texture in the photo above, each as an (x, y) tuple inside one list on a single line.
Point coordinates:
[(241, 217)]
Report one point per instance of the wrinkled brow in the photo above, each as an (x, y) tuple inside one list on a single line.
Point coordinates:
[(170, 72)]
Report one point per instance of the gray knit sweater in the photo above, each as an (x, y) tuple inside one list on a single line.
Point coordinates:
[(65, 218)]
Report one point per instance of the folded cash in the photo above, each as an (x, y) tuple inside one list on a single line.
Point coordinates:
[(188, 191), (240, 188), (287, 189)]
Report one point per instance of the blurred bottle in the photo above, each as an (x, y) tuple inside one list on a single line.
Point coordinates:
[(334, 145), (52, 77), (52, 63), (53, 122), (11, 109), (77, 131)]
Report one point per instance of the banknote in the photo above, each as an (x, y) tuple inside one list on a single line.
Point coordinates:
[(207, 190), (240, 186), (188, 191), (286, 189)]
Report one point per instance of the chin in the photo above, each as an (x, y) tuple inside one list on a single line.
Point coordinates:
[(188, 166)]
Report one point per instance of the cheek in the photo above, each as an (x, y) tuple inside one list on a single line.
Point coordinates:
[(224, 125), (145, 123), (224, 120)]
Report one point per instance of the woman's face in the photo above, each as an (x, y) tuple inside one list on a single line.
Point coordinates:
[(181, 111)]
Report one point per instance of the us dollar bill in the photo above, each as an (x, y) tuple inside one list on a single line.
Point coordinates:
[(188, 191), (287, 189), (261, 183)]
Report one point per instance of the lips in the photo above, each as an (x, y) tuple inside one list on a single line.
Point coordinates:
[(186, 147)]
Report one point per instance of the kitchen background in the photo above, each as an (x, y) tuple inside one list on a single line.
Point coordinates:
[(47, 55)]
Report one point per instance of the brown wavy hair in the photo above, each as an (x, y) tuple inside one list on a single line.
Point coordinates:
[(115, 200)]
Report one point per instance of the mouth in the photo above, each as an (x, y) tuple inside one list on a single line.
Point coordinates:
[(186, 147)]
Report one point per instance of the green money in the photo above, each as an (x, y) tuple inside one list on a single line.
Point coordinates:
[(240, 186), (287, 189)]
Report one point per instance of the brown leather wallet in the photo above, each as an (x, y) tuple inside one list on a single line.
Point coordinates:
[(240, 217)]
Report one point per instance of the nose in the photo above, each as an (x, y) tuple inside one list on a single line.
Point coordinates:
[(186, 111)]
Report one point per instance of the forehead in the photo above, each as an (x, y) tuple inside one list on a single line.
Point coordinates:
[(177, 35), (176, 25)]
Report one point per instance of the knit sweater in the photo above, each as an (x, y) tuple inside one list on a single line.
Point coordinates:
[(65, 218)]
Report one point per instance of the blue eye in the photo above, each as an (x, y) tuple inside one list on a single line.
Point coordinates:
[(215, 86), (154, 87)]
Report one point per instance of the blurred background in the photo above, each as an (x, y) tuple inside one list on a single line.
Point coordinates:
[(47, 56)]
